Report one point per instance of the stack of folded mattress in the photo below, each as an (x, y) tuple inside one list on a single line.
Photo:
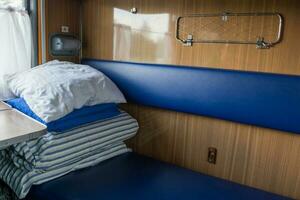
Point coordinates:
[(81, 139)]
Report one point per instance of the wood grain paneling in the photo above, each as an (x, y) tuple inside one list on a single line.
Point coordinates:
[(254, 156), (112, 32), (39, 21), (62, 13), (249, 155)]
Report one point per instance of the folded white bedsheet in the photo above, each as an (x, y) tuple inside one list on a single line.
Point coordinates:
[(55, 89)]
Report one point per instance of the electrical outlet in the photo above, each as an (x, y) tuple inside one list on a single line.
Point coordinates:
[(64, 29), (212, 155)]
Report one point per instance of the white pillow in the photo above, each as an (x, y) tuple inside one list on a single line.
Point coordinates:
[(55, 89), (5, 93)]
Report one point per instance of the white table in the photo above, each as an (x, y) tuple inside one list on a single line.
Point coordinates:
[(4, 106), (16, 127)]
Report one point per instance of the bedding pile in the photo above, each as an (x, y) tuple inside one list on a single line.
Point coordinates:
[(5, 192), (79, 137)]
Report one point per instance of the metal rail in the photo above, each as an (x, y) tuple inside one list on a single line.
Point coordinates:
[(260, 42)]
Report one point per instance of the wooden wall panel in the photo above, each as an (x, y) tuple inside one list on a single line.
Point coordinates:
[(254, 156), (258, 157), (62, 13), (39, 21), (112, 32)]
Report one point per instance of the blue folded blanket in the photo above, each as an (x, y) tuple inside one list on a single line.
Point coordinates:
[(77, 118)]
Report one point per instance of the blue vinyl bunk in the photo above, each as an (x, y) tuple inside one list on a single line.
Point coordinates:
[(136, 177), (247, 97)]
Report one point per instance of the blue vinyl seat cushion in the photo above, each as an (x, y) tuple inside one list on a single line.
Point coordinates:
[(134, 177)]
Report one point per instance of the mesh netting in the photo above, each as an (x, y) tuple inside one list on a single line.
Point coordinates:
[(229, 28)]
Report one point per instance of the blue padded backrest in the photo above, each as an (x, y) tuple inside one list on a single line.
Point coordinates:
[(262, 99)]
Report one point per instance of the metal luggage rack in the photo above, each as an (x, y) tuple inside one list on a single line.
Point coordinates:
[(261, 29)]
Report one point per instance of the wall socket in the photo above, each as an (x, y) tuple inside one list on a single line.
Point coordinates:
[(212, 155), (64, 29)]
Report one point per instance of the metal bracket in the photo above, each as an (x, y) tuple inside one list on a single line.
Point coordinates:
[(189, 41), (133, 10), (261, 44), (225, 17)]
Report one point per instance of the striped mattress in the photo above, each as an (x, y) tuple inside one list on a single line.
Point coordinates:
[(56, 154)]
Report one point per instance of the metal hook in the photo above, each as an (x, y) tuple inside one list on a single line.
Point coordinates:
[(261, 44), (133, 10)]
